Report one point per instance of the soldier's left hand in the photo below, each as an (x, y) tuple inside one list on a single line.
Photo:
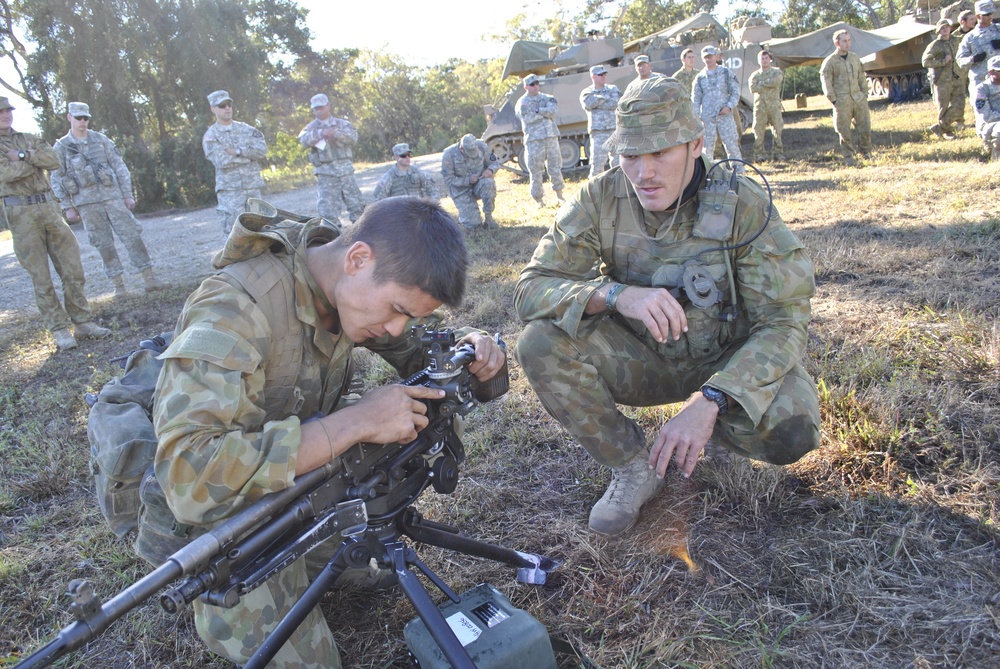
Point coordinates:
[(725, 111), (129, 203), (684, 436), (12, 155), (489, 356), (231, 152)]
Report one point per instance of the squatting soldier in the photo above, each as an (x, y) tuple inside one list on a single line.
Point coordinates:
[(599, 101), (537, 113), (615, 315), (846, 87), (329, 140), (405, 179), (235, 149), (715, 94), (467, 169), (686, 73), (246, 369), (40, 233), (765, 84), (946, 79), (987, 106), (981, 44), (93, 184)]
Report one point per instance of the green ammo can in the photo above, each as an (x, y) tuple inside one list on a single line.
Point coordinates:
[(495, 634)]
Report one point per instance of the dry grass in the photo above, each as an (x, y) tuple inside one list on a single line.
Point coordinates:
[(879, 550)]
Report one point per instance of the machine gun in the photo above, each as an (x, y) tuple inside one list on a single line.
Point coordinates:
[(364, 496)]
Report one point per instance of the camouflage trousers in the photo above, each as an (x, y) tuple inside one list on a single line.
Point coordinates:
[(338, 193), (767, 114), (40, 233), (104, 220), (960, 99), (465, 201), (599, 155), (844, 112), (232, 203), (723, 128), (950, 102), (990, 132), (579, 381), (538, 154)]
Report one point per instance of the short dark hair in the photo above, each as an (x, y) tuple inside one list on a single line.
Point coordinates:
[(416, 243), (686, 52)]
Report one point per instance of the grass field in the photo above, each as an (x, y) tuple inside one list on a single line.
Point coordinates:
[(880, 549)]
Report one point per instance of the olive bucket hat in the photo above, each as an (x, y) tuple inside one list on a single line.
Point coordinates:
[(654, 116)]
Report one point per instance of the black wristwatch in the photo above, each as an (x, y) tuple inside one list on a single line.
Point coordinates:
[(21, 155), (716, 396)]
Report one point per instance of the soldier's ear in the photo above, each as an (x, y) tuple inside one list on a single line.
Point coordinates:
[(357, 258)]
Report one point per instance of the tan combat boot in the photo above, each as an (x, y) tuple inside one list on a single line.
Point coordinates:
[(152, 283), (64, 339), (632, 485), (90, 329), (119, 282), (490, 222)]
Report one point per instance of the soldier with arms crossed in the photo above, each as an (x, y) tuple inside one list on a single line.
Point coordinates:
[(599, 101)]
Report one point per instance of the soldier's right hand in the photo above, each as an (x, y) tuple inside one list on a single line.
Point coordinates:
[(662, 315), (72, 215), (393, 413)]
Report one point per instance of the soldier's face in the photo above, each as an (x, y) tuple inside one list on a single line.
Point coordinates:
[(995, 76), (6, 120), (968, 22), (224, 112), (322, 112), (644, 69), (659, 178), (78, 125), (688, 59), (984, 20), (403, 160), (765, 61), (944, 32), (844, 43)]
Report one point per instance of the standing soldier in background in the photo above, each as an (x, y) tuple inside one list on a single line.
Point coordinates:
[(329, 140), (715, 96), (981, 44), (537, 113), (93, 184), (986, 103), (599, 101), (765, 84), (966, 22), (236, 150), (846, 87), (467, 169), (946, 79), (686, 73), (405, 179), (40, 233)]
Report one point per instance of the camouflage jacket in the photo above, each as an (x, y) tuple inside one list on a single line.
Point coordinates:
[(538, 116), (934, 58), (986, 104), (600, 106), (686, 77), (457, 168), (713, 90), (240, 172), (979, 42), (604, 235), (25, 177), (90, 171), (412, 182), (220, 446), (843, 77), (334, 157), (766, 86)]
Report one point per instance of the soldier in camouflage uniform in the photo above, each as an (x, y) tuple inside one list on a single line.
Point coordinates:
[(981, 44), (467, 169), (686, 73), (405, 179), (631, 298), (94, 184), (715, 94), (329, 140), (599, 101), (966, 22), (236, 150), (987, 107), (265, 344), (537, 113), (846, 87), (946, 79), (765, 84), (39, 232)]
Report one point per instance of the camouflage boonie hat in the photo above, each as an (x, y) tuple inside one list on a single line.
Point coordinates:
[(78, 109), (215, 98), (993, 64), (5, 104), (643, 58), (941, 24), (470, 145), (400, 149), (654, 116)]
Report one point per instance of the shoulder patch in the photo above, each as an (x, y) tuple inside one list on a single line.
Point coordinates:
[(215, 346)]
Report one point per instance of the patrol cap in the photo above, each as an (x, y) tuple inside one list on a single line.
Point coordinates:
[(319, 100), (642, 58), (215, 98), (78, 109), (709, 50), (598, 69), (993, 64), (470, 145), (5, 104), (984, 7), (400, 149), (654, 116), (530, 79)]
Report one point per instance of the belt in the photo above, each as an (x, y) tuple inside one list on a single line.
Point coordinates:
[(24, 200)]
